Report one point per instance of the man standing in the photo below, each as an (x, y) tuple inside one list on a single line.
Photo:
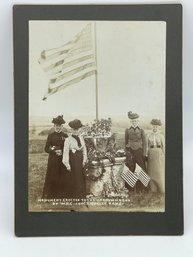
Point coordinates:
[(135, 144)]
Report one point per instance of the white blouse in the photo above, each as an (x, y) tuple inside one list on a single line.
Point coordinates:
[(155, 140), (72, 145)]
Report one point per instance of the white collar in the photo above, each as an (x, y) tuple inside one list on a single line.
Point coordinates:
[(134, 127)]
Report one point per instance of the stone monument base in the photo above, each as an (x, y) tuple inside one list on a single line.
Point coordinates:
[(110, 184)]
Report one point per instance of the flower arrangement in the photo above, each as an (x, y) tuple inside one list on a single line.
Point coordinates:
[(98, 150), (97, 129), (103, 148), (101, 145)]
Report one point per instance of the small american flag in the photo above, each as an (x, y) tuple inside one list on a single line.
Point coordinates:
[(71, 62), (142, 175), (129, 177)]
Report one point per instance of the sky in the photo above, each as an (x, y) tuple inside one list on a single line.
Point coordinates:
[(130, 63)]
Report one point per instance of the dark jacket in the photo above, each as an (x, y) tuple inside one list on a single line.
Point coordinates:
[(135, 138)]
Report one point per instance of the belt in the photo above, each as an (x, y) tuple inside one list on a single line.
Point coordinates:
[(76, 150), (157, 146), (55, 147)]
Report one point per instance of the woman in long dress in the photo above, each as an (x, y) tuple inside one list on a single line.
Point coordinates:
[(156, 157), (53, 186), (74, 158)]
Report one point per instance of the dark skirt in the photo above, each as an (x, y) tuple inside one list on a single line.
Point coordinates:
[(77, 177), (57, 179), (133, 157)]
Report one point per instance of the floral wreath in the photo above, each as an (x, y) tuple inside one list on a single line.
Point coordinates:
[(101, 145), (92, 177)]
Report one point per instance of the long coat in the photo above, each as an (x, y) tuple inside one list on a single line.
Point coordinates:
[(54, 185)]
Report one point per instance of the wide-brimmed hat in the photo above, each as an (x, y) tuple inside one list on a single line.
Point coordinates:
[(156, 122), (75, 124), (58, 120), (132, 115)]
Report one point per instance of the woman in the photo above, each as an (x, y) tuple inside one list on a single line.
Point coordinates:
[(54, 146), (74, 158), (156, 160), (135, 143), (135, 148)]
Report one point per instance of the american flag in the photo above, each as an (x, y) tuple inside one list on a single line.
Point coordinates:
[(69, 63), (142, 175), (129, 177)]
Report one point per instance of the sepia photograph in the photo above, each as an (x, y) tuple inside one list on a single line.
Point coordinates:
[(96, 132)]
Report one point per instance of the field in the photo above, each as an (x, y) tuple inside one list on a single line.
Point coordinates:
[(37, 170)]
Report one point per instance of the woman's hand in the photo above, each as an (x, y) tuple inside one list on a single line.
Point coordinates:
[(58, 152), (84, 163), (145, 158), (68, 168)]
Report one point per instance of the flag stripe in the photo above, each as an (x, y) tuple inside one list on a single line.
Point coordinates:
[(69, 83), (129, 177), (144, 178), (44, 59), (70, 68), (72, 72), (54, 51), (132, 184), (63, 54), (145, 181), (68, 57), (83, 41), (84, 37), (54, 68), (127, 180), (65, 80), (70, 63)]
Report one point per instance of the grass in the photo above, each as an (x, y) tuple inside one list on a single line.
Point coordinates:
[(36, 176), (152, 202)]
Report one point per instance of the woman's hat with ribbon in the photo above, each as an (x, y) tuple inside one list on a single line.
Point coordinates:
[(156, 122), (75, 124), (58, 120), (132, 115)]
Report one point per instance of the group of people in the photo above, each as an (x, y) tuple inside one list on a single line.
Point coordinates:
[(68, 155), (147, 150)]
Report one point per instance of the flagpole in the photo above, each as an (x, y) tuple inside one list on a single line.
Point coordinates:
[(96, 74)]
